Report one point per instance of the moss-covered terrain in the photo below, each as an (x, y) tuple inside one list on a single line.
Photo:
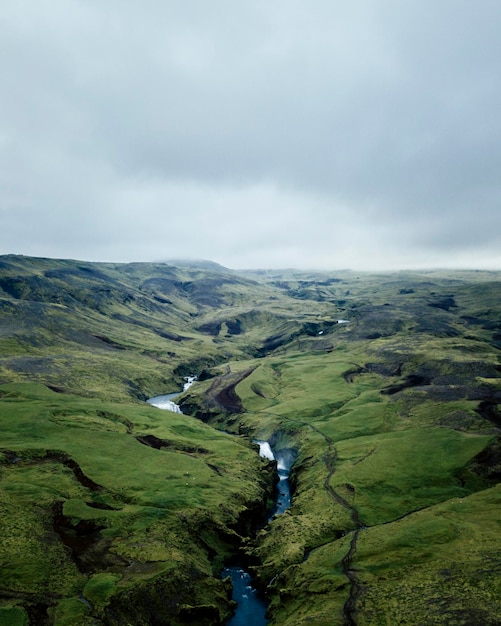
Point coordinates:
[(387, 388)]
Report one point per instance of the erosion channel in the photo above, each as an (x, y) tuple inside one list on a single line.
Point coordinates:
[(251, 607)]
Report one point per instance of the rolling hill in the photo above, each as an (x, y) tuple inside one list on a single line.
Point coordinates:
[(386, 388)]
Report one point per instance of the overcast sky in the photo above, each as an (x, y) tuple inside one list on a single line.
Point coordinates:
[(273, 133)]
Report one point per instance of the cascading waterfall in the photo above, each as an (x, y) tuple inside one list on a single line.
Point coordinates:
[(251, 608), (166, 403)]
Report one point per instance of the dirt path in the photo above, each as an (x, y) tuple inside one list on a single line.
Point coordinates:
[(330, 459)]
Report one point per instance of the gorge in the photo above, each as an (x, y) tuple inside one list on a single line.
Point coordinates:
[(250, 605), (113, 511)]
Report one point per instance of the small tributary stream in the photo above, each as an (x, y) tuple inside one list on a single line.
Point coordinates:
[(251, 608)]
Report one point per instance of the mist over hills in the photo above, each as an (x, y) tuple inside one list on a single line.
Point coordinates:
[(385, 386)]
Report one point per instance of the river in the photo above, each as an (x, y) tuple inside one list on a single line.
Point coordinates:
[(166, 402), (251, 607), (284, 459)]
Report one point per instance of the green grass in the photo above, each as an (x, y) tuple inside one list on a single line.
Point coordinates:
[(402, 462), (157, 499), (441, 565), (319, 586), (13, 616), (399, 472)]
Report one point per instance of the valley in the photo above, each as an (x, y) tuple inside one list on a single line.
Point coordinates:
[(385, 389)]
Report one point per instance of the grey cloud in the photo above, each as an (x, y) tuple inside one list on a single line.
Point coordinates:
[(326, 123)]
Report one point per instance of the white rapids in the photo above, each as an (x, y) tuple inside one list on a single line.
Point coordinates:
[(265, 450), (166, 402)]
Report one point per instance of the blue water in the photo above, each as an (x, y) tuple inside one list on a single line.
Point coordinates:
[(251, 608), (284, 494)]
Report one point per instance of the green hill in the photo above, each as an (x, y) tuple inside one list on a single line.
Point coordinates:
[(386, 386)]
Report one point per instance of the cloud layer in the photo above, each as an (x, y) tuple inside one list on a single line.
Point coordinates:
[(265, 134)]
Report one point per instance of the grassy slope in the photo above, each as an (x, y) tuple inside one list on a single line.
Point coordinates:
[(135, 521), (109, 338), (396, 464), (382, 412)]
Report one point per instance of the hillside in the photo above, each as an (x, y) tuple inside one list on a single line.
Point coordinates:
[(386, 387)]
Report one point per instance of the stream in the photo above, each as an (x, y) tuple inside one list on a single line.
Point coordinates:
[(251, 607), (166, 403), (284, 459)]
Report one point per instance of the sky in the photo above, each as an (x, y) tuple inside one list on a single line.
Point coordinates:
[(361, 134)]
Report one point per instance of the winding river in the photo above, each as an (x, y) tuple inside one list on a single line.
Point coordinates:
[(251, 607)]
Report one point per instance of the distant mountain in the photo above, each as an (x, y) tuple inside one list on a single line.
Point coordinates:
[(198, 264)]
